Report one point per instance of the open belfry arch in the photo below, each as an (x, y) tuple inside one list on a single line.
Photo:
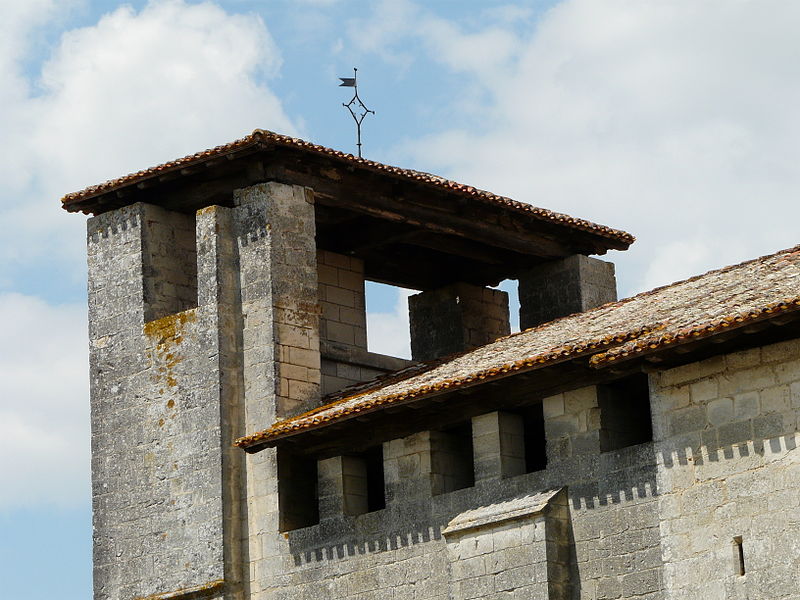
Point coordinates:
[(246, 444)]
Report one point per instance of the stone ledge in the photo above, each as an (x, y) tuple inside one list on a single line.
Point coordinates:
[(510, 510), (198, 592), (362, 358)]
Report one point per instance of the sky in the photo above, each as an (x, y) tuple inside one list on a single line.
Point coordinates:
[(675, 120)]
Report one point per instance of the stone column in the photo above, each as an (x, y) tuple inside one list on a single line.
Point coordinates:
[(274, 228), (164, 394), (342, 487), (219, 302), (427, 463), (274, 224), (561, 287), (457, 317), (498, 440), (572, 424)]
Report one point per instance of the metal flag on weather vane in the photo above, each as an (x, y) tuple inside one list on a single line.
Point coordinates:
[(361, 109)]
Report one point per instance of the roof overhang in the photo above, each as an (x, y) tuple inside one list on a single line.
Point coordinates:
[(412, 229)]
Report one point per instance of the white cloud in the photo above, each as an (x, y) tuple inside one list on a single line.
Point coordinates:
[(44, 413), (131, 91), (676, 121), (135, 89)]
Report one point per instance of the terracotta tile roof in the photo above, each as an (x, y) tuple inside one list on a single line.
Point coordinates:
[(702, 306), (263, 138)]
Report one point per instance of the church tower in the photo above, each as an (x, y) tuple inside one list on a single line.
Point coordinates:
[(226, 294)]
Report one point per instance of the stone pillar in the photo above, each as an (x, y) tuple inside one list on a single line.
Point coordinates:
[(407, 466), (499, 445), (572, 424), (342, 487), (275, 230), (562, 287), (454, 318), (278, 263), (218, 299)]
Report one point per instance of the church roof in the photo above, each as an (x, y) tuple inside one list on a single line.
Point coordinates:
[(102, 197), (716, 306)]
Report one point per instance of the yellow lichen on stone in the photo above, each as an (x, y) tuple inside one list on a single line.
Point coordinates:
[(207, 209), (168, 333)]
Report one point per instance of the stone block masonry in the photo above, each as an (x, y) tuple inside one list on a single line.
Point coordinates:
[(345, 359), (165, 516), (341, 297), (562, 287), (498, 442), (274, 225), (454, 318), (514, 549), (172, 386), (169, 262), (183, 360), (729, 466)]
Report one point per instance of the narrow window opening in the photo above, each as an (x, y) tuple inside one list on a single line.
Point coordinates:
[(376, 494), (452, 460), (624, 413), (169, 262), (739, 554), (511, 287), (388, 329), (298, 493), (535, 442)]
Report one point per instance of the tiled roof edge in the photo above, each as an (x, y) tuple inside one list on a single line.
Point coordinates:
[(310, 421), (660, 288), (261, 135), (656, 342)]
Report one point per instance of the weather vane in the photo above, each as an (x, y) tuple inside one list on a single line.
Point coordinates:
[(361, 109)]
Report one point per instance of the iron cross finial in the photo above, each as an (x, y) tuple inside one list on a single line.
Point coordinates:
[(361, 110)]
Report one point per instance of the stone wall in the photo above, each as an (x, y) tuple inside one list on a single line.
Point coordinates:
[(170, 394), (517, 549), (726, 439), (169, 262), (341, 297), (345, 359), (708, 510), (611, 525)]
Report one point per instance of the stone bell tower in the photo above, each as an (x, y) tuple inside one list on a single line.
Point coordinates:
[(226, 292)]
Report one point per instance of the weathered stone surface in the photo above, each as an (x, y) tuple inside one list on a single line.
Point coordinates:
[(164, 484), (736, 483)]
